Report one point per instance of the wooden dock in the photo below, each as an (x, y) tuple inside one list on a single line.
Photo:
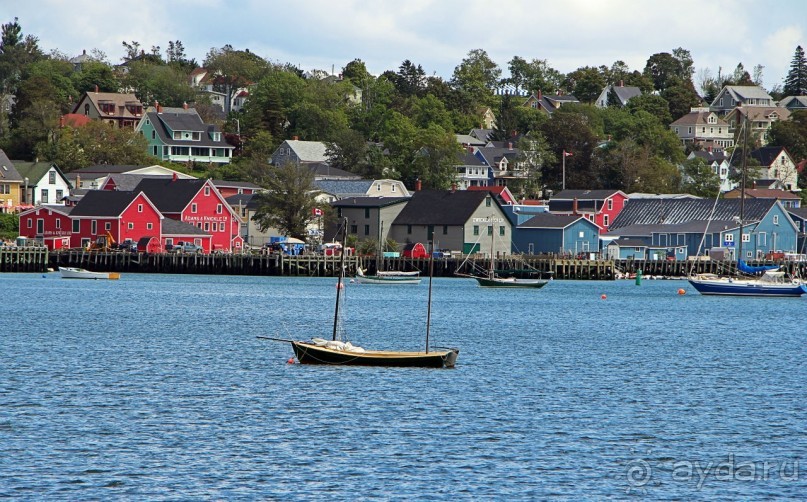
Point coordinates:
[(38, 259)]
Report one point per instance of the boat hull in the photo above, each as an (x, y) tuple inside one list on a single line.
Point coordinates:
[(309, 353), (510, 283), (747, 288), (80, 273), (374, 279)]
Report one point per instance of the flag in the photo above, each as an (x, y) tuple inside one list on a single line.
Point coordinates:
[(316, 211), (567, 154)]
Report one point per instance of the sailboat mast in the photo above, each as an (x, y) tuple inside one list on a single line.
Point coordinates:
[(492, 272), (429, 306), (742, 188), (339, 284)]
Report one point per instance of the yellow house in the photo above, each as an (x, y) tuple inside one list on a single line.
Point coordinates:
[(10, 185)]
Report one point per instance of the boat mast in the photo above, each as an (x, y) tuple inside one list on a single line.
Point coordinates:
[(429, 306), (492, 272), (339, 284), (742, 188)]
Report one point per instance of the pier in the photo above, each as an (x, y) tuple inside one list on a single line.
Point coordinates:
[(38, 259)]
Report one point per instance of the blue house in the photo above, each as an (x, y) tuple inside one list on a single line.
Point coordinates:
[(700, 225), (556, 233), (626, 249)]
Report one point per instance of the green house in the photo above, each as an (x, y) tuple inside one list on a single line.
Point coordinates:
[(180, 135)]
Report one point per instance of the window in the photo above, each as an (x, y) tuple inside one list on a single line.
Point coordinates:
[(445, 229), (487, 202), (219, 209), (409, 229), (86, 109), (366, 229), (153, 134), (193, 207), (728, 237), (775, 219), (610, 204), (207, 226), (746, 237), (58, 224), (131, 225), (490, 229), (149, 226), (207, 191), (140, 208), (169, 241), (30, 223), (378, 187), (94, 227), (605, 220), (5, 188), (76, 226), (366, 212), (501, 230), (44, 196), (476, 229), (52, 176), (108, 226), (59, 195), (581, 235), (155, 150), (762, 238), (393, 188), (354, 229)]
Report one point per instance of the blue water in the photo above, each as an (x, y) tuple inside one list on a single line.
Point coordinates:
[(156, 387)]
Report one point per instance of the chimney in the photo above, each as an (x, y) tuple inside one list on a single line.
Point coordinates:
[(574, 206), (96, 88), (78, 181), (540, 96), (621, 83), (709, 148), (295, 138), (185, 105), (509, 146), (418, 185), (174, 177)]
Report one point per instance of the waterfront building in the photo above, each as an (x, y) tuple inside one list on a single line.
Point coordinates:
[(600, 206), (558, 234)]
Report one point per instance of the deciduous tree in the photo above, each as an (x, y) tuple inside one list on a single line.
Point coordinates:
[(288, 202)]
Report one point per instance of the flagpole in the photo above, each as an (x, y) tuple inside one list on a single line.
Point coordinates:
[(564, 170)]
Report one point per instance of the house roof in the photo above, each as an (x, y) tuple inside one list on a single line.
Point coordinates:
[(441, 207), (625, 93), (75, 119), (481, 134), (105, 169), (492, 155), (794, 102), (323, 171), (235, 184), (120, 100), (585, 194), (629, 243), (8, 172), (761, 113), (800, 212), (344, 188), (184, 121), (250, 201), (709, 157), (170, 195), (108, 203), (171, 226), (35, 171), (744, 92), (763, 193), (309, 151), (467, 139), (549, 220), (503, 192), (675, 211), (128, 182), (767, 155), (369, 201), (699, 117)]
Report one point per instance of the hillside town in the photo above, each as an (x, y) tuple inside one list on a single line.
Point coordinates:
[(631, 165)]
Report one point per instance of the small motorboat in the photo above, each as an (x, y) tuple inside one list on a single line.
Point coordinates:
[(80, 273)]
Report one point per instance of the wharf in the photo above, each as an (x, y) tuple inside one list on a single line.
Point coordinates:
[(37, 259)]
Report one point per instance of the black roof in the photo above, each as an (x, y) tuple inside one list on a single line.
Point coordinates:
[(675, 211), (441, 207), (766, 155), (170, 195), (368, 201), (185, 122), (582, 195), (105, 169), (175, 227), (549, 220), (103, 203)]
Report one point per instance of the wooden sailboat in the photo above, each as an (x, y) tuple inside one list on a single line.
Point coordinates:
[(336, 352), (492, 280), (772, 282)]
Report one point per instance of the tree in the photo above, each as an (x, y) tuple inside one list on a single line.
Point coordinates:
[(681, 96), (94, 73), (288, 202), (796, 80), (231, 70), (477, 76), (96, 143), (700, 179), (534, 153), (791, 134), (347, 151), (16, 53), (435, 162), (569, 130), (663, 67), (157, 82), (410, 79), (586, 83), (356, 72), (652, 104)]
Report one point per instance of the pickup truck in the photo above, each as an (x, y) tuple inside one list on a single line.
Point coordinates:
[(186, 247)]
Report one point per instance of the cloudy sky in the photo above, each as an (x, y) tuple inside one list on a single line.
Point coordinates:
[(436, 34)]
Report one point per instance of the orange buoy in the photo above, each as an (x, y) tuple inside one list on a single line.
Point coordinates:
[(290, 361), (603, 297), (681, 291)]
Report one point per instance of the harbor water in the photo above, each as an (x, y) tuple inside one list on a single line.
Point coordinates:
[(156, 387)]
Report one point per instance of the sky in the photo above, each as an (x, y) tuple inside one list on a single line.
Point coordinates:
[(435, 34)]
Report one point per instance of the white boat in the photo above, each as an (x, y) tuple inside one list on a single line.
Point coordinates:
[(80, 273), (390, 277)]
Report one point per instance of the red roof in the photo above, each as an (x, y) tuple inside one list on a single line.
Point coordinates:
[(502, 191), (75, 120)]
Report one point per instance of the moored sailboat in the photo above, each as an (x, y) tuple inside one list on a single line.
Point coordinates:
[(341, 353)]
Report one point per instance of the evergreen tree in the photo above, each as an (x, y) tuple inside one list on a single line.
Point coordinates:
[(796, 80)]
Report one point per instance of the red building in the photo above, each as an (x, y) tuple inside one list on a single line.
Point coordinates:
[(599, 206), (51, 224), (125, 216), (230, 188), (199, 203)]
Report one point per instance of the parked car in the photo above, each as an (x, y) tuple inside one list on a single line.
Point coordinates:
[(187, 247)]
